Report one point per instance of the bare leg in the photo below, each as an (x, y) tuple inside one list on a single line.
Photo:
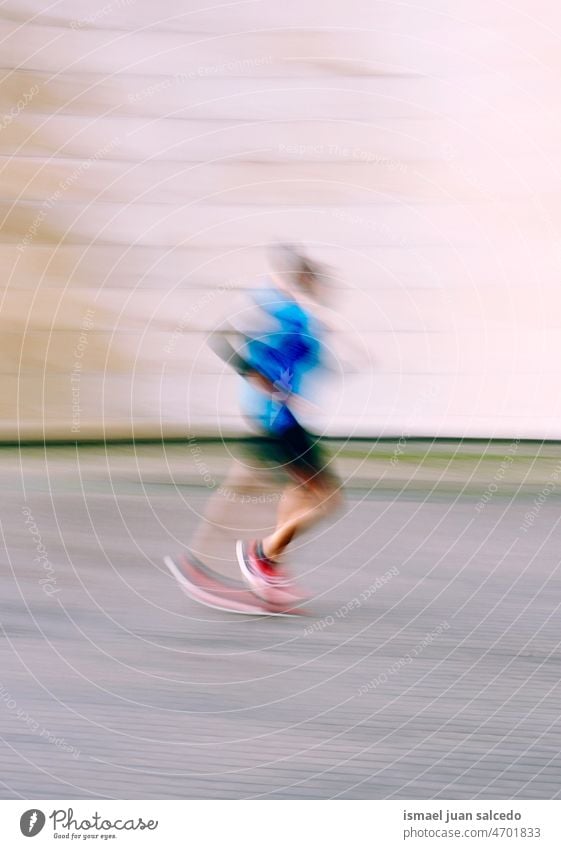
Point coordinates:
[(302, 505)]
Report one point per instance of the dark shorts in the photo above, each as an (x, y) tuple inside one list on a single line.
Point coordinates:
[(296, 452)]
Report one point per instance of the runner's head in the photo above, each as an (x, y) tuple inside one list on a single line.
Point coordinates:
[(297, 273)]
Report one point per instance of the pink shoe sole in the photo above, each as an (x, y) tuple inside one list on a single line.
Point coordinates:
[(281, 594)]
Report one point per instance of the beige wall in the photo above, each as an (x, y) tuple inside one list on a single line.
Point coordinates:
[(150, 150)]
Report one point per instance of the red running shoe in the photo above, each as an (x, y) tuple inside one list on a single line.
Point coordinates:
[(266, 579)]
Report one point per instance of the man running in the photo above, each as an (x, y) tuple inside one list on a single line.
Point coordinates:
[(274, 362)]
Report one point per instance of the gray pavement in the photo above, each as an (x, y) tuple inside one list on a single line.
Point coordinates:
[(430, 668)]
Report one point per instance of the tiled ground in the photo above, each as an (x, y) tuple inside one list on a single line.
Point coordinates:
[(442, 682)]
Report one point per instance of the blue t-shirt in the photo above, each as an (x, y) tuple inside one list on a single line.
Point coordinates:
[(283, 354)]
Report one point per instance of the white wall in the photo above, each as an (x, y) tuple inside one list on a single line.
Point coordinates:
[(156, 149)]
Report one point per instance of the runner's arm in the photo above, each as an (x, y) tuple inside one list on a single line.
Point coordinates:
[(228, 353)]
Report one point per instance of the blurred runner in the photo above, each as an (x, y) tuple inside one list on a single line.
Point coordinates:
[(279, 351)]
